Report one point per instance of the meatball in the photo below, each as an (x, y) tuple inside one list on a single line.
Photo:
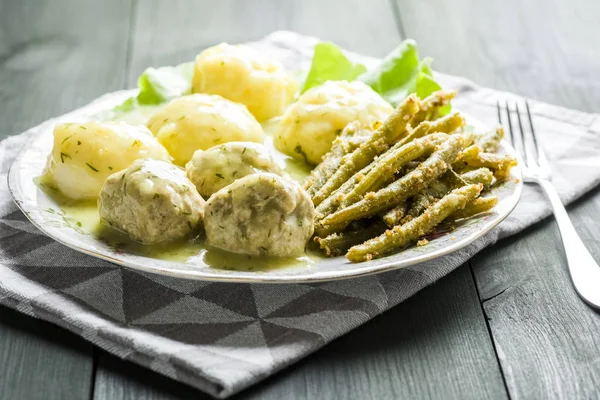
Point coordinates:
[(309, 126), (260, 214), (201, 121), (241, 74), (151, 201), (85, 154), (219, 166)]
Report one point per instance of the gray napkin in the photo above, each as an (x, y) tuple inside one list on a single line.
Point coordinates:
[(223, 337)]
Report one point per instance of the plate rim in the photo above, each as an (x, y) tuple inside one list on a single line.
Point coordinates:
[(250, 277)]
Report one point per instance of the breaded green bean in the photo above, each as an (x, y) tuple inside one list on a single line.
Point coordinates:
[(390, 163), (446, 124), (490, 141), (470, 152), (331, 203), (337, 244), (479, 175), (474, 207), (392, 130), (402, 235), (499, 165), (435, 191), (399, 190), (349, 139), (431, 105), (420, 203), (393, 216)]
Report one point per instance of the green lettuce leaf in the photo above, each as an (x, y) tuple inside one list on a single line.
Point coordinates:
[(401, 73), (330, 64), (159, 85)]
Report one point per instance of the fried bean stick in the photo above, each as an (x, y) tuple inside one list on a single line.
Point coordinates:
[(392, 130), (399, 190), (403, 235)]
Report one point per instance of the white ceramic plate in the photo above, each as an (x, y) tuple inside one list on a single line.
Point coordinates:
[(46, 214)]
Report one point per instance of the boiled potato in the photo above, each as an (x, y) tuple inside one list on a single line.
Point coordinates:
[(309, 126), (241, 74), (200, 121), (217, 167), (85, 154)]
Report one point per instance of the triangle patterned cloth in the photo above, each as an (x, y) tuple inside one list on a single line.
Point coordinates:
[(223, 337)]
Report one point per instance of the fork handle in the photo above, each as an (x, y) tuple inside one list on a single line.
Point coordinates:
[(584, 270)]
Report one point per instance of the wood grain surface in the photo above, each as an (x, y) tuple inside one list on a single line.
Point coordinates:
[(545, 336), (515, 330), (49, 67)]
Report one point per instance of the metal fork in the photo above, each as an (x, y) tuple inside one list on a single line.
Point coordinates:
[(584, 270)]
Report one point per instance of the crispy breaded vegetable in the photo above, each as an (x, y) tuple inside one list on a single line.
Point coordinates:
[(470, 152), (431, 105), (351, 137), (419, 204), (393, 216), (386, 166), (403, 235), (474, 207), (398, 191), (337, 244), (393, 129), (490, 141), (479, 175), (500, 165)]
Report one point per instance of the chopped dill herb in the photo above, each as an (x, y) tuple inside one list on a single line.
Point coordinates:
[(63, 156), (243, 151), (91, 167), (165, 120), (234, 174), (298, 149), (110, 168), (220, 176), (67, 138), (78, 224), (155, 196), (82, 127), (263, 248), (136, 142), (190, 225), (78, 143), (182, 117)]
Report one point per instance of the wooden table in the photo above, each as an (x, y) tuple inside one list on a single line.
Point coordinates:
[(507, 324)]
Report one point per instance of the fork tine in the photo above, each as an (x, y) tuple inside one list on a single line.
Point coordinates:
[(498, 108), (523, 140), (510, 128), (533, 134)]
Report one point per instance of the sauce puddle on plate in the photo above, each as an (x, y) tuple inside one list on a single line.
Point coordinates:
[(84, 217)]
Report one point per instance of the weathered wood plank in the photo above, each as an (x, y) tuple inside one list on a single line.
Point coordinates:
[(42, 361), (56, 56), (52, 60), (170, 32), (435, 345), (543, 49), (545, 335)]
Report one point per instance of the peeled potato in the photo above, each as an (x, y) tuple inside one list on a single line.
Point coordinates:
[(85, 154), (309, 126), (200, 121), (241, 74)]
